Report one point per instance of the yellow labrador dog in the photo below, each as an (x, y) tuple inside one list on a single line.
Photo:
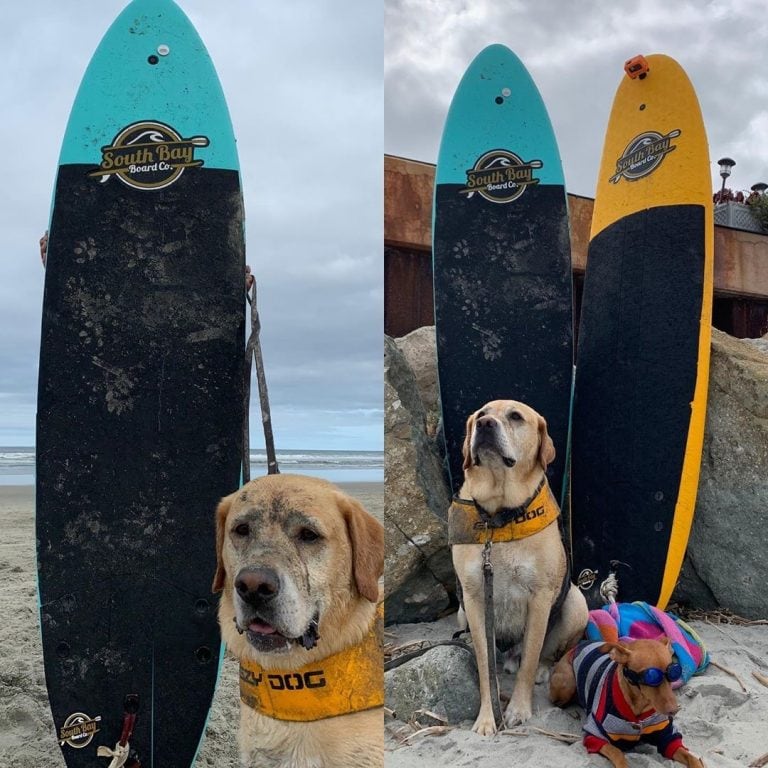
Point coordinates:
[(506, 453), (298, 564)]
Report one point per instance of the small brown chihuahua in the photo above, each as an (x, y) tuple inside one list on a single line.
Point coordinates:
[(627, 694)]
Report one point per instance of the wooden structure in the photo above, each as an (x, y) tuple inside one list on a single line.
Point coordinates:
[(741, 258)]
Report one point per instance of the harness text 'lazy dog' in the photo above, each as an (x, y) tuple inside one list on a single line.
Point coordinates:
[(349, 681), (469, 523)]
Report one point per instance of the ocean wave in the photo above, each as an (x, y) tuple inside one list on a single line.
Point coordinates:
[(322, 460), (14, 459)]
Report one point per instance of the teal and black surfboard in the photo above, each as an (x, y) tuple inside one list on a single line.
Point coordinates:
[(643, 357), (140, 394), (502, 259)]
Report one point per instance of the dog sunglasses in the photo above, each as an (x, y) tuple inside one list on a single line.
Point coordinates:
[(653, 676)]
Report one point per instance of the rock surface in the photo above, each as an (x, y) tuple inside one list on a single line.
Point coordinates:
[(419, 583), (443, 681), (420, 352), (727, 560)]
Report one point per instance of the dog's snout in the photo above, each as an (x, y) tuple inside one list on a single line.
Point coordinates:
[(257, 585), (485, 423)]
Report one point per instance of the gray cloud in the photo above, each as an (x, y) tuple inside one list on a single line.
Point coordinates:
[(575, 53), (303, 82)]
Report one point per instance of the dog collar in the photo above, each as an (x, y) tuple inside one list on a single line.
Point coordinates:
[(469, 523), (348, 681)]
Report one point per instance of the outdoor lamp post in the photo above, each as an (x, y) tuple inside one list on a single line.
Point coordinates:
[(760, 187), (725, 164)]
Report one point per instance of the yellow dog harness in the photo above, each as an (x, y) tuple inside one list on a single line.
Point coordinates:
[(469, 523), (349, 681)]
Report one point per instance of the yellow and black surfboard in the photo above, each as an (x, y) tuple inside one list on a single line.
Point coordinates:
[(643, 351)]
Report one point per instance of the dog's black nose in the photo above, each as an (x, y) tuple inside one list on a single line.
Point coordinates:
[(257, 585), (485, 423)]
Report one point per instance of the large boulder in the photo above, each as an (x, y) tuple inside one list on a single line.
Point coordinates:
[(419, 583), (727, 558), (443, 680), (726, 561), (420, 351)]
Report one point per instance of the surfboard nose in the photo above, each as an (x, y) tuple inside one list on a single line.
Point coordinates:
[(257, 586)]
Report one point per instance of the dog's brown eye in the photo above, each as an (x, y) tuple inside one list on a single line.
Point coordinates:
[(243, 529), (307, 534), (514, 416), (480, 414)]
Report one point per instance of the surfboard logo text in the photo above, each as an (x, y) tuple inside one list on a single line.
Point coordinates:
[(643, 155), (78, 730), (148, 155), (501, 176)]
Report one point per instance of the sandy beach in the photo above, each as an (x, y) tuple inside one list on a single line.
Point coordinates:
[(27, 736), (720, 721)]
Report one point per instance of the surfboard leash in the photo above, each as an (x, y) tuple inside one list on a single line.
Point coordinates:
[(121, 754)]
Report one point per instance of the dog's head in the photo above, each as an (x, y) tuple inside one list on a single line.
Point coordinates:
[(291, 550), (638, 657), (506, 435)]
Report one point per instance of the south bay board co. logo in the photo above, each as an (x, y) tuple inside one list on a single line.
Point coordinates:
[(78, 730), (148, 155), (501, 176), (643, 155)]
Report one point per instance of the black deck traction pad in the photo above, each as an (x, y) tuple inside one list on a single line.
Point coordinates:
[(503, 311), (635, 379), (139, 436)]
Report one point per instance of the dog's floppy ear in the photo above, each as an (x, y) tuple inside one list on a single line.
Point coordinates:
[(367, 537), (221, 525), (467, 449), (546, 446)]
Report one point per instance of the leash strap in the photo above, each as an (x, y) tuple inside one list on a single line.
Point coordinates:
[(122, 749), (490, 632)]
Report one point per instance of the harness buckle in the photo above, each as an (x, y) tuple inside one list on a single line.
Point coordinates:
[(487, 566)]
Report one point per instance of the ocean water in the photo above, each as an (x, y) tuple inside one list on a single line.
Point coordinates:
[(17, 465)]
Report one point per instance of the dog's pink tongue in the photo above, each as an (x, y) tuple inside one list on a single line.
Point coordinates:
[(261, 629)]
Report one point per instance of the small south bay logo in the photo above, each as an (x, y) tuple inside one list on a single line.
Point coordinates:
[(78, 730), (148, 155), (643, 155), (501, 176)]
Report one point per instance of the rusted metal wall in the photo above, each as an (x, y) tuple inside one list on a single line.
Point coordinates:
[(741, 258), (408, 299)]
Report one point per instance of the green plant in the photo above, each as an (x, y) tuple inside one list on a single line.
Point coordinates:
[(758, 207)]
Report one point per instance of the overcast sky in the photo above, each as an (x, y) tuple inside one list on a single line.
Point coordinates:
[(575, 52), (303, 80)]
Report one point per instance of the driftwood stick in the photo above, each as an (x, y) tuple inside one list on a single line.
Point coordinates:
[(729, 672), (247, 364), (432, 730), (568, 738), (253, 353)]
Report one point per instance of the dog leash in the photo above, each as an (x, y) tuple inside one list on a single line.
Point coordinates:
[(490, 631), (121, 754)]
